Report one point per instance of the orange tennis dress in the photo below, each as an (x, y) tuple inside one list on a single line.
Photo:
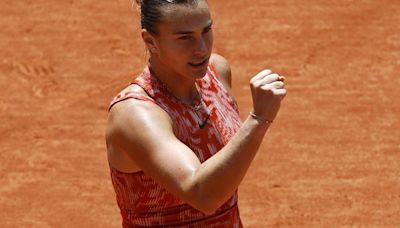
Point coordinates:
[(205, 129)]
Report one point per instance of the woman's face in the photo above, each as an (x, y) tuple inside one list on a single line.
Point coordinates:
[(184, 40)]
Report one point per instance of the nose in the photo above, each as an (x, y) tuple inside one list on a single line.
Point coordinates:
[(201, 48)]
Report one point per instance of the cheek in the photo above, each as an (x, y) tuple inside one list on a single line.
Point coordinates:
[(175, 55), (171, 50), (178, 48)]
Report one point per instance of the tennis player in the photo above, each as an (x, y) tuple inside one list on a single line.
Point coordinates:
[(177, 149)]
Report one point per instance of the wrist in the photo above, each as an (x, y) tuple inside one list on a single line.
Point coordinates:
[(260, 120)]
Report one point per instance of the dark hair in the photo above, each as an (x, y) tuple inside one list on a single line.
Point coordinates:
[(150, 11)]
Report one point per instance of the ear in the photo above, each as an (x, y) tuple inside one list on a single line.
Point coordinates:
[(149, 40)]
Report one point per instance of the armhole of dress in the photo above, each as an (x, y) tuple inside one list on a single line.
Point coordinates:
[(216, 77), (129, 94), (214, 72)]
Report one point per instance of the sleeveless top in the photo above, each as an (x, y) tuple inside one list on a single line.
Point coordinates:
[(205, 129)]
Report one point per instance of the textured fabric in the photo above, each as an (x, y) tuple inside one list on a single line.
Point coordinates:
[(145, 203)]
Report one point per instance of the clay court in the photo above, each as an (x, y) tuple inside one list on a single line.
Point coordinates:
[(331, 159)]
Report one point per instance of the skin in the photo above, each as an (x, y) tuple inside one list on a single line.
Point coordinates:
[(149, 130)]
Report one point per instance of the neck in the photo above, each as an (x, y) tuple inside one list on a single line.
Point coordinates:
[(181, 87)]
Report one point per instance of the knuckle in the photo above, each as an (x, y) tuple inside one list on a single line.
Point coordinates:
[(277, 84), (275, 76), (264, 73), (272, 77), (282, 93), (267, 71), (255, 84), (278, 92)]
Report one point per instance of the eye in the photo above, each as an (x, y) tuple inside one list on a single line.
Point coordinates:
[(207, 29), (185, 37)]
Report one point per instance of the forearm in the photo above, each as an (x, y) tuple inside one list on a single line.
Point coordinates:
[(218, 177)]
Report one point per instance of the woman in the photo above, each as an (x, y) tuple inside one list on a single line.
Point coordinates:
[(176, 146)]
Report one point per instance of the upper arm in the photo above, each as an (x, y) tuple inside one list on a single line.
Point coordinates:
[(221, 65), (145, 132)]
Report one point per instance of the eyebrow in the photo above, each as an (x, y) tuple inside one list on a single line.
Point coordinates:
[(191, 32)]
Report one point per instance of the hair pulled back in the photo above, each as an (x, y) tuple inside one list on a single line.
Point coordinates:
[(150, 11)]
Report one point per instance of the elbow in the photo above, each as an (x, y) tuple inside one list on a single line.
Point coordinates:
[(204, 202), (204, 198)]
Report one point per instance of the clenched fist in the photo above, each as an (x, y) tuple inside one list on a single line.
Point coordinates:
[(267, 89)]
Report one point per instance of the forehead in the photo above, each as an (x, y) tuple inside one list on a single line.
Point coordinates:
[(185, 17)]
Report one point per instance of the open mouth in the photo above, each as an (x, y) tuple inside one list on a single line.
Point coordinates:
[(199, 64)]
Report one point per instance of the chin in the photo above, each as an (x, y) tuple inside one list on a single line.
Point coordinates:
[(199, 75)]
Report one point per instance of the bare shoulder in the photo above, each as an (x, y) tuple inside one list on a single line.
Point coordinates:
[(133, 119), (135, 88), (222, 66)]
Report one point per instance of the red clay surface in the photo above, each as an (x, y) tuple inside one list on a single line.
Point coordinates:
[(332, 158)]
